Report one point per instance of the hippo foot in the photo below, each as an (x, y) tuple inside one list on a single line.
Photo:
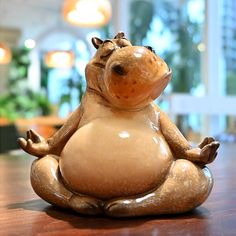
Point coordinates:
[(85, 205)]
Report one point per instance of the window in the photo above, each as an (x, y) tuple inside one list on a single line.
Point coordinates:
[(197, 38)]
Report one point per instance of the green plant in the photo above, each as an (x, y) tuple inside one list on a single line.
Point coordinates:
[(231, 83), (44, 71), (19, 100), (184, 57), (15, 105), (140, 19)]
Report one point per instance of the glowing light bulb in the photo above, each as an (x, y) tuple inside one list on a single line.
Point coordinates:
[(201, 47), (90, 13), (59, 59), (30, 43), (5, 54), (2, 53)]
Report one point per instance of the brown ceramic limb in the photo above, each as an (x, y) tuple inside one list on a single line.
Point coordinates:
[(177, 142), (34, 144), (38, 146), (186, 187), (46, 170), (205, 153), (60, 138)]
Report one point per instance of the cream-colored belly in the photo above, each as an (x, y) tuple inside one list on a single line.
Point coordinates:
[(110, 158)]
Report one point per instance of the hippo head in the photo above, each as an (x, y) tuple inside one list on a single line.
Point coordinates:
[(128, 77)]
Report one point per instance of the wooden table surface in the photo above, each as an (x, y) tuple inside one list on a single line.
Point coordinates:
[(22, 212)]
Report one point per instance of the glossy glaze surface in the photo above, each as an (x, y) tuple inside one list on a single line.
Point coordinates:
[(119, 154), (148, 163)]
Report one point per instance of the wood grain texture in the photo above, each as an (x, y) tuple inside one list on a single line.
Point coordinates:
[(22, 212)]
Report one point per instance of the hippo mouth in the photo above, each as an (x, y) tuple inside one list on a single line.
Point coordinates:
[(168, 73)]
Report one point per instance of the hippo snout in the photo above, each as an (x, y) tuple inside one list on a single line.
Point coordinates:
[(131, 73)]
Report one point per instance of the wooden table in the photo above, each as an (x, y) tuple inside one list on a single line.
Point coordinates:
[(22, 212)]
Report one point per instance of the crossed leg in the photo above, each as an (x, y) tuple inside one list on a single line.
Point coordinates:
[(47, 183), (186, 187)]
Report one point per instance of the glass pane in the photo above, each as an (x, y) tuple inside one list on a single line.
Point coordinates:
[(229, 45), (191, 126), (66, 86), (229, 62), (174, 29)]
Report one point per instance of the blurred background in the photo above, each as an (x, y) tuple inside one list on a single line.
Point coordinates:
[(45, 46)]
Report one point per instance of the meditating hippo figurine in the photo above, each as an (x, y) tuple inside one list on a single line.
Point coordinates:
[(118, 154)]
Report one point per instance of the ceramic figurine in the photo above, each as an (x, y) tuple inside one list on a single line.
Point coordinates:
[(118, 154)]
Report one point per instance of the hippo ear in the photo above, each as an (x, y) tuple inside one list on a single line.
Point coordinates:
[(120, 35), (96, 42)]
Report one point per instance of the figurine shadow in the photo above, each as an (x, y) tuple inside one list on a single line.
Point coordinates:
[(103, 222)]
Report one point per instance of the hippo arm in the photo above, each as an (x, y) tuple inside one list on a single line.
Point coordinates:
[(60, 138), (38, 146), (203, 154)]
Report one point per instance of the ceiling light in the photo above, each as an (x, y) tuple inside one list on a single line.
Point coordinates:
[(59, 59), (30, 43), (5, 54), (87, 13)]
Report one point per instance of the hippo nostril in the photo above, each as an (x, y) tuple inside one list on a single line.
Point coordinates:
[(118, 69), (150, 49)]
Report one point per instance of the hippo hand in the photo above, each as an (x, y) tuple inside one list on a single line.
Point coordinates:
[(34, 144), (205, 153)]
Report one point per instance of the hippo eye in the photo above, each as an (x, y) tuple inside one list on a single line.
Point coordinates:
[(107, 53), (150, 48), (123, 45), (118, 69)]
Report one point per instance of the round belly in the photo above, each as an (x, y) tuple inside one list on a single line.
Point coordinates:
[(108, 159)]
